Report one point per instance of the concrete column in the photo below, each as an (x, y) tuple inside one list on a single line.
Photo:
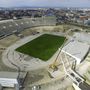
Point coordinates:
[(1, 88), (16, 86)]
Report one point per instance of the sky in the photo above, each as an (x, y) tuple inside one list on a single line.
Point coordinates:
[(45, 3)]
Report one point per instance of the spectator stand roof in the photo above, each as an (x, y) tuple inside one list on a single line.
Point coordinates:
[(77, 50), (82, 37)]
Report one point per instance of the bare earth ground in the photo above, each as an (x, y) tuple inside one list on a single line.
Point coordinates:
[(38, 76), (4, 43)]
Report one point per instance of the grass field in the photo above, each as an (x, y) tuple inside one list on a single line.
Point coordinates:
[(42, 47)]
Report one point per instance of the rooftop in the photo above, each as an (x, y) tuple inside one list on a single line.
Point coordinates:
[(76, 49), (9, 75)]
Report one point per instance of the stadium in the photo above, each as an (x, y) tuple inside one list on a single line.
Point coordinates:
[(31, 44)]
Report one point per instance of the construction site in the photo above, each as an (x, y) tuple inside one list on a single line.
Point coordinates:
[(66, 69)]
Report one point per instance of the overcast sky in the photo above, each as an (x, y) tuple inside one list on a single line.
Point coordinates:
[(45, 3)]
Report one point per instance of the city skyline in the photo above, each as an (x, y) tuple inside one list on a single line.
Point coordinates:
[(45, 3)]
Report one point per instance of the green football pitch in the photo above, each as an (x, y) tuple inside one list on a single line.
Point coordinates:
[(42, 47)]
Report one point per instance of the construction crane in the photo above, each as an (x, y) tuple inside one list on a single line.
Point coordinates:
[(78, 82), (76, 79), (54, 66)]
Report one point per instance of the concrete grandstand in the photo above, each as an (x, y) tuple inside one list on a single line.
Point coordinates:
[(13, 26)]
